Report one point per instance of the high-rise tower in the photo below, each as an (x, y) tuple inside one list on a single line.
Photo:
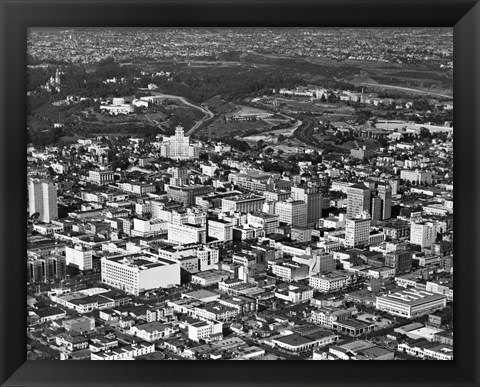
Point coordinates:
[(42, 197)]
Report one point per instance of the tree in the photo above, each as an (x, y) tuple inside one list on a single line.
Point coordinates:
[(332, 98), (323, 99), (424, 134)]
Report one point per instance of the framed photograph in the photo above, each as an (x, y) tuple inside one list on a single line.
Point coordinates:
[(239, 180)]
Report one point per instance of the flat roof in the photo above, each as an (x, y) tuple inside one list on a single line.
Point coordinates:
[(209, 274), (412, 298), (246, 197), (52, 311), (353, 323), (77, 320), (294, 340), (151, 327), (201, 294), (200, 324), (375, 352), (442, 348), (141, 259)]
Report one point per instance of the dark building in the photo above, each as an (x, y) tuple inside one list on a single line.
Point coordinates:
[(400, 260)]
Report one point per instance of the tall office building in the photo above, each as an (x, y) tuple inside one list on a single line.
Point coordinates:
[(358, 200), (322, 262), (179, 176), (313, 198), (292, 212), (357, 232), (42, 198), (46, 269), (384, 192), (178, 146), (423, 234), (376, 208)]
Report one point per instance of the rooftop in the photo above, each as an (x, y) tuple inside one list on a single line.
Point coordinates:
[(412, 297), (294, 340)]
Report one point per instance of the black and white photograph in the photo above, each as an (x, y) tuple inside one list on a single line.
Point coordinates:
[(239, 193)]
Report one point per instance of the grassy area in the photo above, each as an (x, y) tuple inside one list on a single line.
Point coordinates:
[(221, 128)]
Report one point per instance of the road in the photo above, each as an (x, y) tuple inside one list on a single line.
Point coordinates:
[(208, 114), (304, 133), (406, 89)]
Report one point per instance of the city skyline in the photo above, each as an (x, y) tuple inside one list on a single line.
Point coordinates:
[(240, 193)]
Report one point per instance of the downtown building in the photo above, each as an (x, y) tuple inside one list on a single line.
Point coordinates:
[(79, 258), (243, 203), (411, 303), (357, 232), (381, 206), (313, 198), (358, 200), (187, 194), (178, 146), (375, 199), (42, 199), (183, 234), (44, 269), (292, 212), (100, 177), (423, 233), (137, 273)]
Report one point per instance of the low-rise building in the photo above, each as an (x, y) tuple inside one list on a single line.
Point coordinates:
[(140, 272), (295, 293), (411, 303), (205, 330), (327, 283), (290, 271), (128, 352), (299, 343), (151, 331), (80, 324)]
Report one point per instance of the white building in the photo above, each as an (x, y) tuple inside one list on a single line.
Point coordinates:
[(204, 330), (423, 234), (417, 176), (295, 294), (42, 199), (140, 272), (411, 303), (293, 212), (243, 203), (290, 271), (151, 331), (178, 146), (148, 227), (183, 234), (128, 352), (268, 222), (220, 229), (79, 258), (100, 177), (328, 283), (357, 232)]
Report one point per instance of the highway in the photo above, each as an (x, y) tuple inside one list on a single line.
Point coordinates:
[(208, 114), (304, 133)]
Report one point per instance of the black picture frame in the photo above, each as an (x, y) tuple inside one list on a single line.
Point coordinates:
[(17, 15)]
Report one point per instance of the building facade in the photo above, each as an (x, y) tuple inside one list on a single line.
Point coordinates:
[(42, 199)]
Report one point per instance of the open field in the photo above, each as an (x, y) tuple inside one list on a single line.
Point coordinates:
[(221, 128)]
